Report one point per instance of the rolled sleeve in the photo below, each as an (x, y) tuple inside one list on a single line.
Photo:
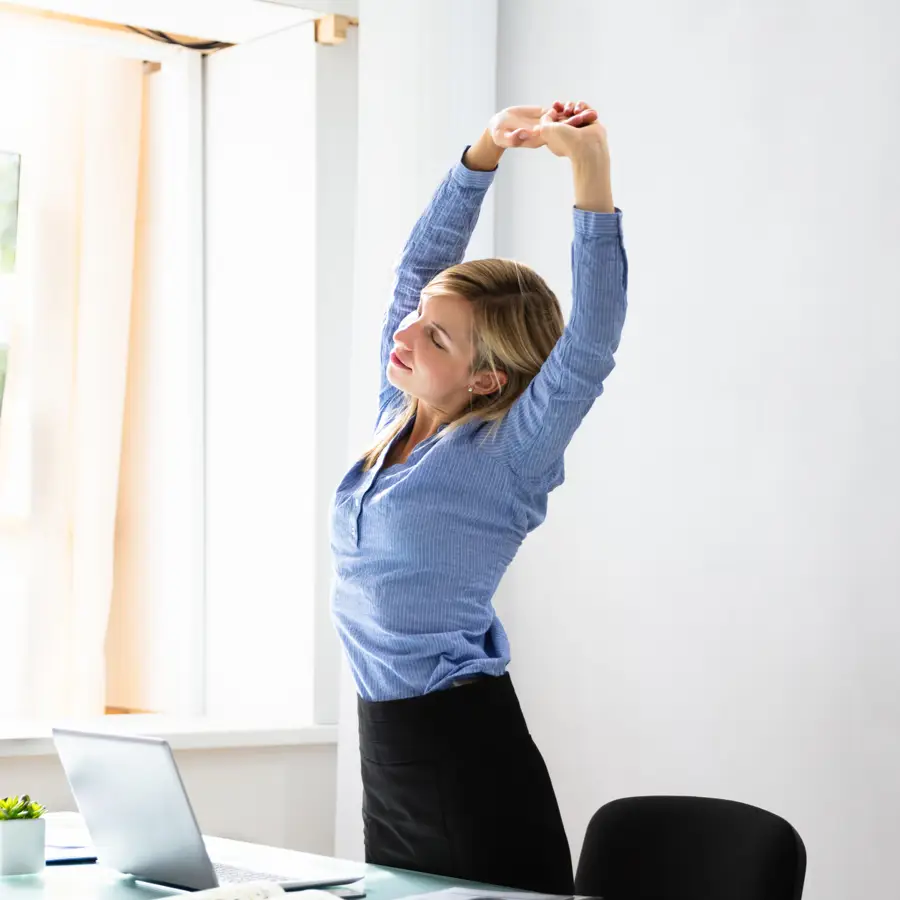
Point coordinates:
[(471, 178), (597, 224)]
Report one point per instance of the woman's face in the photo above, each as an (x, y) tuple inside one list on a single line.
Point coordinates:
[(433, 352)]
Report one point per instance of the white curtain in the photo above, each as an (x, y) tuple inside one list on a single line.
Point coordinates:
[(80, 159)]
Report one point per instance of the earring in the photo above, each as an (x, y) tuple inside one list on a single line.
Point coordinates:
[(470, 389)]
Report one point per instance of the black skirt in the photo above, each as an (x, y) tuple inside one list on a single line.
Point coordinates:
[(454, 785)]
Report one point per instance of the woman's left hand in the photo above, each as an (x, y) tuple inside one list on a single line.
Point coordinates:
[(557, 132)]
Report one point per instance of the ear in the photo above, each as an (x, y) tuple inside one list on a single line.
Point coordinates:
[(488, 382)]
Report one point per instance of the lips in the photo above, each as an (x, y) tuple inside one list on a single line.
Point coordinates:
[(399, 363)]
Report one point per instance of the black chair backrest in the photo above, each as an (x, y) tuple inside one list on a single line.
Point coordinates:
[(689, 848)]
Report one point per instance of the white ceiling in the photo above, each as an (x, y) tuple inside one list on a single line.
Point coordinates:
[(233, 21)]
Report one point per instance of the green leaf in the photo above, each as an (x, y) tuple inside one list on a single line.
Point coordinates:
[(20, 808)]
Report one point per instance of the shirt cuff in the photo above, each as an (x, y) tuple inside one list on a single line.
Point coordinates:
[(466, 177), (597, 224)]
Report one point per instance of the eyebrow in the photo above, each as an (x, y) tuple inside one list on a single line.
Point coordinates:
[(440, 328), (443, 331)]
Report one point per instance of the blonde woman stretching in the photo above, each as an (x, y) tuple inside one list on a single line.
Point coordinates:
[(482, 389)]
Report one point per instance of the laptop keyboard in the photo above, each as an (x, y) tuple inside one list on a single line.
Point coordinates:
[(233, 875)]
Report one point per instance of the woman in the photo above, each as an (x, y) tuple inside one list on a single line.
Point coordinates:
[(481, 392)]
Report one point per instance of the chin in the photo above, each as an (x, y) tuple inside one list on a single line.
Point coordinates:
[(398, 378)]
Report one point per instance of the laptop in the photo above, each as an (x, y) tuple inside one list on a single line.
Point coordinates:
[(136, 809)]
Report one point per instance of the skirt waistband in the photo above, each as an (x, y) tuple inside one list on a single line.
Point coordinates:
[(480, 714)]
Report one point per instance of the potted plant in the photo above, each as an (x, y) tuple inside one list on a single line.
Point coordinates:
[(22, 836)]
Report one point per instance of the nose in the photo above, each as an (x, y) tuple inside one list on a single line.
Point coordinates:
[(404, 336)]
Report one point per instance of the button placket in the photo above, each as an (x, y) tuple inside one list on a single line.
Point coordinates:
[(356, 506), (359, 497)]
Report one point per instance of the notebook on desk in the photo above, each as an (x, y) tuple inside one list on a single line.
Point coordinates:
[(67, 841)]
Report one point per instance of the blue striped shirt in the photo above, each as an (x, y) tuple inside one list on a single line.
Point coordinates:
[(419, 547)]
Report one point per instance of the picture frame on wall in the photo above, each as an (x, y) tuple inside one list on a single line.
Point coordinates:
[(10, 165), (4, 361)]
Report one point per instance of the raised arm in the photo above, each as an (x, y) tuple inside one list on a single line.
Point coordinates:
[(537, 429), (438, 241), (440, 237)]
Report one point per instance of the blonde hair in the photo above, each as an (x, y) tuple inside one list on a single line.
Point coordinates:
[(517, 321)]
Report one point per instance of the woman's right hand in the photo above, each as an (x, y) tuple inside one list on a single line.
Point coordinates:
[(520, 126)]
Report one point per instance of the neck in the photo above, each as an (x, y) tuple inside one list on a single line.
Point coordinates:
[(428, 421)]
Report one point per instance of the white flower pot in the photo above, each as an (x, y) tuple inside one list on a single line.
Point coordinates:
[(22, 846)]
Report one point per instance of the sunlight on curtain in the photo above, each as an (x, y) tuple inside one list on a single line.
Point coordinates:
[(76, 118)]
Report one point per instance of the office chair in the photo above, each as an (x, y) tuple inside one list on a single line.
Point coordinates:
[(689, 848)]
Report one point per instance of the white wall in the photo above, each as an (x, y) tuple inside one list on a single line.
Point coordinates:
[(337, 147), (296, 783), (711, 606), (280, 195), (260, 270), (426, 89)]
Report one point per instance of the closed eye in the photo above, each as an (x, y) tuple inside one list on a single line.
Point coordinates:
[(432, 330)]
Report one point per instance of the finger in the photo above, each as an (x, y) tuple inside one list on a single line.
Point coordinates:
[(559, 106), (586, 117), (583, 118)]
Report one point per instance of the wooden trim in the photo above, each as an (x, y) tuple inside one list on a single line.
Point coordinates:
[(332, 29)]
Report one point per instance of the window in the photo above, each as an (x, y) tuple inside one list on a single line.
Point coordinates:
[(135, 420), (14, 422), (71, 139), (101, 453)]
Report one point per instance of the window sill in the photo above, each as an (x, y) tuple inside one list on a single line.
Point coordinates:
[(35, 738)]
